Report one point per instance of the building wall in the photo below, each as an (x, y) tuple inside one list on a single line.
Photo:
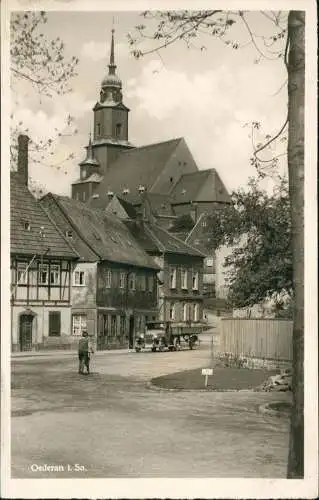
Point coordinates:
[(221, 284), (40, 327), (177, 295)]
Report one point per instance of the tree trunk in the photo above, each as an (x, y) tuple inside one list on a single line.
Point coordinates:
[(296, 93)]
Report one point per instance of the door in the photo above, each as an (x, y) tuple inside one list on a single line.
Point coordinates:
[(26, 321), (131, 333), (54, 323)]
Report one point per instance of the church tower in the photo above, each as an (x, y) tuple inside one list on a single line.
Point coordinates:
[(110, 117), (110, 134)]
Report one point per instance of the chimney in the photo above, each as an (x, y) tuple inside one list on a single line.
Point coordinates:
[(23, 170)]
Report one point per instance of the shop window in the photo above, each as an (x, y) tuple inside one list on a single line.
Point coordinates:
[(79, 324)]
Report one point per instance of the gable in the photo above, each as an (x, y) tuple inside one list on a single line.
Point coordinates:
[(213, 190)]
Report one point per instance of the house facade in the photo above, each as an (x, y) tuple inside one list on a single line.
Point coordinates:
[(114, 282), (41, 268), (180, 280)]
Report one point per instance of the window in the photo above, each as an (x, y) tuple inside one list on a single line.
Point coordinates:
[(209, 262), (83, 173), (22, 275), (77, 197), (196, 312), (108, 279), (204, 223), (83, 195), (184, 279), (118, 129), (54, 274), (185, 311), (26, 225), (79, 278), (43, 274), (122, 280), (195, 280), (132, 281), (143, 282), (98, 129), (150, 283), (172, 311), (69, 234), (172, 278), (78, 324)]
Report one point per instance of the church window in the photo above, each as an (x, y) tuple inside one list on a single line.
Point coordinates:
[(98, 129), (118, 129), (83, 173)]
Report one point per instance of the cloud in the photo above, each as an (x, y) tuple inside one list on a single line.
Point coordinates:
[(209, 109), (96, 51)]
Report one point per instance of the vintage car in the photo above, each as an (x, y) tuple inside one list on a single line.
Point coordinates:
[(168, 335)]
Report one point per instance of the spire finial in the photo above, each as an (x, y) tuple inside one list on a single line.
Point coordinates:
[(112, 65)]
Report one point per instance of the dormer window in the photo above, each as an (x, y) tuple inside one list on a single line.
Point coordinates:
[(26, 225), (69, 234)]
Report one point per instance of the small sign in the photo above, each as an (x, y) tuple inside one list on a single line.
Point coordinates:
[(207, 372)]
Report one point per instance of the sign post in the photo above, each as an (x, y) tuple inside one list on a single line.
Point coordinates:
[(207, 372)]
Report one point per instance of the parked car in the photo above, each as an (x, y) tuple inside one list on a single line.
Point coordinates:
[(167, 335)]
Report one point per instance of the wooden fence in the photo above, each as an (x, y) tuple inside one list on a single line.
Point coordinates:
[(258, 338)]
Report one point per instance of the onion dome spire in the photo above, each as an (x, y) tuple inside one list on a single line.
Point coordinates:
[(111, 86)]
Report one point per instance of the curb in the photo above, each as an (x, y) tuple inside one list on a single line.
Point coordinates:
[(265, 409), (154, 387)]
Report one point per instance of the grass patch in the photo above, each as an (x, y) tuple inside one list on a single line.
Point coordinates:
[(223, 379)]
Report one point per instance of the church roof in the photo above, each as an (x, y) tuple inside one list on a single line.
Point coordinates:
[(137, 166), (106, 235), (25, 209), (92, 178), (201, 186)]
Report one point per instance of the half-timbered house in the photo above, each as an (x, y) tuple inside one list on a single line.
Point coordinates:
[(41, 269)]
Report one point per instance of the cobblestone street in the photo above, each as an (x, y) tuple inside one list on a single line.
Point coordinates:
[(112, 425)]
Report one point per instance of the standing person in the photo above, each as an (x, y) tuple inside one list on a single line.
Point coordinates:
[(84, 353)]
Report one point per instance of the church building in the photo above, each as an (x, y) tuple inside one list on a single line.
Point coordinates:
[(167, 170)]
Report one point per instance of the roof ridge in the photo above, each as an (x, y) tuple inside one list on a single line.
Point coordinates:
[(199, 171), (151, 145)]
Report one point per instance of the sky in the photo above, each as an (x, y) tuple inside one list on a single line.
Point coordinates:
[(206, 96)]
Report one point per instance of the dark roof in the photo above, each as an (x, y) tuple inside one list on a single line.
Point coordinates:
[(155, 239), (24, 208), (106, 235), (203, 185), (160, 204), (137, 166)]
